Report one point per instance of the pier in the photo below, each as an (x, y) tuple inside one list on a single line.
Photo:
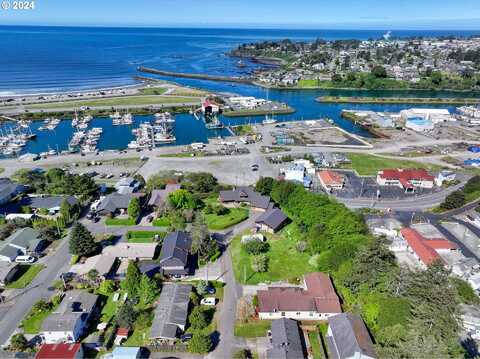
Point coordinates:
[(196, 76)]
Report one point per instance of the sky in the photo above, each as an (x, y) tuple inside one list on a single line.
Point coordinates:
[(327, 14)]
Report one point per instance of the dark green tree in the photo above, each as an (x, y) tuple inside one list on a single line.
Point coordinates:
[(134, 208), (147, 290), (379, 72), (132, 281), (200, 344), (19, 343), (454, 200), (265, 185), (126, 315), (198, 318), (82, 242)]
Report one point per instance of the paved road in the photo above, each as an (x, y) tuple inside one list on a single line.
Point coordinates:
[(57, 263)]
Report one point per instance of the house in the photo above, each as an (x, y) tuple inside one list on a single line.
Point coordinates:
[(68, 322), (8, 190), (470, 320), (60, 351), (27, 240), (286, 340), (124, 353), (127, 185), (272, 220), (159, 196), (8, 272), (114, 203), (444, 176), (50, 203), (170, 314), (348, 338), (331, 180), (174, 257), (426, 251), (384, 226), (408, 179), (316, 300), (295, 173), (102, 263), (246, 195), (9, 253), (133, 251)]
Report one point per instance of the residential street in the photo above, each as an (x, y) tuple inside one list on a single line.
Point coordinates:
[(19, 306)]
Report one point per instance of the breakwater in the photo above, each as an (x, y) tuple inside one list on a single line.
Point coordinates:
[(241, 80)]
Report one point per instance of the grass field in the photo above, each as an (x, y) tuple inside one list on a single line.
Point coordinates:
[(153, 91), (32, 322), (118, 101), (285, 262), (161, 222), (252, 329), (234, 216), (369, 165), (26, 275)]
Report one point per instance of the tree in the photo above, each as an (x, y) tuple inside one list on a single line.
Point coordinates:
[(107, 287), (337, 78), (132, 281), (265, 185), (200, 344), (147, 290), (260, 263), (454, 200), (203, 244), (281, 191), (256, 247), (126, 315), (66, 211), (201, 182), (82, 242), (379, 72), (134, 208), (92, 275), (18, 342), (202, 287), (182, 199), (198, 318), (242, 354), (177, 221), (436, 77)]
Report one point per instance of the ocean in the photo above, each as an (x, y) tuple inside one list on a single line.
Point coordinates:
[(55, 59)]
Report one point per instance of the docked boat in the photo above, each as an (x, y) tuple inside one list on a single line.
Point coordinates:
[(269, 120)]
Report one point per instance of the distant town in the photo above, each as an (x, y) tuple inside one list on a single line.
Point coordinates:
[(388, 63)]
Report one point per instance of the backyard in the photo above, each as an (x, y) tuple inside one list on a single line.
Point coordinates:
[(219, 222), (145, 236), (285, 262), (254, 328)]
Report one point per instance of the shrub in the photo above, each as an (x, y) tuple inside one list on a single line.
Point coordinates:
[(260, 263), (200, 344), (454, 200), (256, 247), (202, 287), (198, 318)]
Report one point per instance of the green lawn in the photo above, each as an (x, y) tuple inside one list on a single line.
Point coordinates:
[(110, 308), (252, 329), (118, 101), (153, 91), (234, 216), (120, 222), (161, 222), (32, 322), (285, 262), (144, 236), (26, 275), (368, 165)]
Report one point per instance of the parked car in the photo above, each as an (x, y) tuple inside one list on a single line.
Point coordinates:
[(186, 337), (90, 215), (211, 290), (208, 301), (25, 259)]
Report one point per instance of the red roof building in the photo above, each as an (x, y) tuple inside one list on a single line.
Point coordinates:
[(408, 179), (60, 351), (331, 180), (426, 250), (316, 300)]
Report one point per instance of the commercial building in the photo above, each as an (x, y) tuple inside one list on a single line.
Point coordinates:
[(419, 124), (331, 180), (426, 251), (435, 115), (408, 179), (316, 300)]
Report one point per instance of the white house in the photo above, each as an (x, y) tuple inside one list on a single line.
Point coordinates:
[(445, 176)]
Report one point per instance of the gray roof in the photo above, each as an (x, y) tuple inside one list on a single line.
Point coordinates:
[(75, 305), (6, 270), (49, 201), (245, 194), (10, 252), (286, 340), (175, 249), (26, 238), (274, 218), (171, 311), (349, 336), (8, 188), (114, 201), (160, 195)]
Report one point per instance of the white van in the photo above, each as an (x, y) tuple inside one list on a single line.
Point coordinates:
[(208, 301), (25, 259)]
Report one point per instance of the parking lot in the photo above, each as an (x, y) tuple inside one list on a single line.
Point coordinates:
[(464, 235), (367, 187)]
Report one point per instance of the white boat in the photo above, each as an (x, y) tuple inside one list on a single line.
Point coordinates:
[(133, 145), (269, 120)]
